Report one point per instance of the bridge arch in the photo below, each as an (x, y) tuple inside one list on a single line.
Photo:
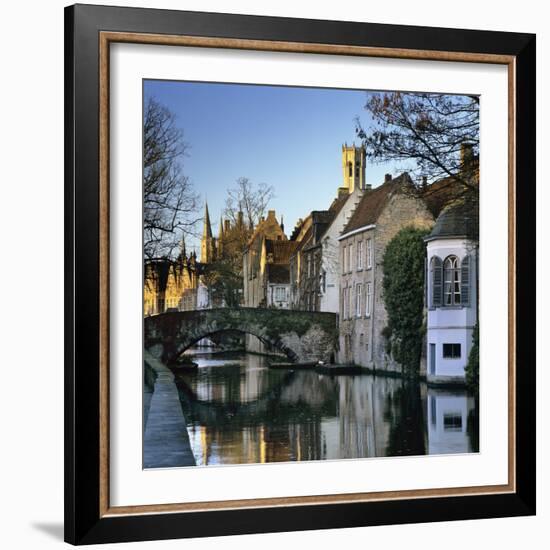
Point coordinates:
[(273, 342), (302, 336)]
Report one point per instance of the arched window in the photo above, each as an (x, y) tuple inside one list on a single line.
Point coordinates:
[(436, 272), (451, 281), (465, 281)]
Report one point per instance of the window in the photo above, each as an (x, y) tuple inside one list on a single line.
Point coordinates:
[(350, 258), (436, 277), (344, 258), (451, 351), (359, 255), (357, 169), (451, 280), (369, 253), (308, 265), (368, 298), (350, 169), (452, 422), (358, 292), (350, 303), (361, 339), (344, 301), (280, 294)]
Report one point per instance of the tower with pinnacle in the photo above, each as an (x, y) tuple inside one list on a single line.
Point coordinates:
[(353, 166)]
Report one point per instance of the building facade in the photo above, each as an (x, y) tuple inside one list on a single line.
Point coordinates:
[(256, 258), (381, 213), (266, 272), (314, 266), (171, 285), (452, 290)]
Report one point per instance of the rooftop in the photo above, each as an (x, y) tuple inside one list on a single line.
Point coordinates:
[(372, 203), (458, 219)]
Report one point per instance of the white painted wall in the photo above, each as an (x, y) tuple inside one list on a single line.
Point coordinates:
[(330, 263), (443, 436), (451, 324)]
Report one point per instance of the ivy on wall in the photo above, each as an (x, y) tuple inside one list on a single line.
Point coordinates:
[(403, 285)]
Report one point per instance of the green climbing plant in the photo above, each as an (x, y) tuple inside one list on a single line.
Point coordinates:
[(472, 367), (403, 285)]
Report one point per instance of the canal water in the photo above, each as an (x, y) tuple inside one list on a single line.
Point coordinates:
[(239, 411)]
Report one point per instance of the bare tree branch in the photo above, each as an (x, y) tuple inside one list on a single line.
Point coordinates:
[(169, 201), (427, 129)]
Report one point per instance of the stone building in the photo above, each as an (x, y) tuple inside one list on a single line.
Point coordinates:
[(256, 258), (306, 260), (276, 261), (171, 285), (452, 290), (266, 274), (380, 214)]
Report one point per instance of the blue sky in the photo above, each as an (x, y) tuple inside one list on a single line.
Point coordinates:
[(287, 137)]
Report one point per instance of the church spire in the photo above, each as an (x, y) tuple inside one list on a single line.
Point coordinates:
[(207, 228), (207, 242)]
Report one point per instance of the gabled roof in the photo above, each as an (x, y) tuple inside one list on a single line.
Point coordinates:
[(373, 202), (267, 227), (338, 203)]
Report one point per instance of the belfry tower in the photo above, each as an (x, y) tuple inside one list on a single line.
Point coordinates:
[(353, 165), (208, 245)]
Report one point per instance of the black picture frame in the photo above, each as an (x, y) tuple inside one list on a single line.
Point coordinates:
[(84, 522)]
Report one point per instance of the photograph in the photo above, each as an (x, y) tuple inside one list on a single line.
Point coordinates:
[(310, 273)]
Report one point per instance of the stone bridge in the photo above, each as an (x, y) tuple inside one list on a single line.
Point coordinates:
[(304, 336)]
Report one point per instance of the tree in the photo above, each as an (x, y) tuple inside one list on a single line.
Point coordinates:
[(403, 285), (472, 367), (249, 201), (169, 202), (428, 129), (245, 206)]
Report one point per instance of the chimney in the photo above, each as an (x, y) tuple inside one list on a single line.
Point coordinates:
[(227, 224), (387, 178), (240, 218), (282, 224), (424, 182)]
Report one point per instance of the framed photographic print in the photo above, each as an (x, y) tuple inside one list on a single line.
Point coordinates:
[(299, 274)]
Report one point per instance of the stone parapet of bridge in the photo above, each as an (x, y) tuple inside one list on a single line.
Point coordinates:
[(303, 336)]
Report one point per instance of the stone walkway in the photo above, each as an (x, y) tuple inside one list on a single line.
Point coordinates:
[(166, 441)]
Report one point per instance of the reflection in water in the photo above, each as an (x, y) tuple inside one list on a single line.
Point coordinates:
[(239, 411)]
